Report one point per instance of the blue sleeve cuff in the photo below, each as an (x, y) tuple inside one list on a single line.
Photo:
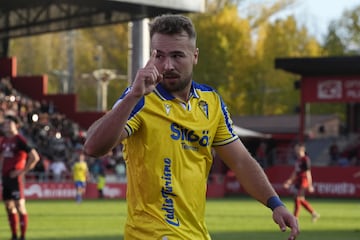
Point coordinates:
[(274, 202)]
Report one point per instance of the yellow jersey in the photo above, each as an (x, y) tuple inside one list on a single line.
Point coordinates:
[(168, 157), (80, 170)]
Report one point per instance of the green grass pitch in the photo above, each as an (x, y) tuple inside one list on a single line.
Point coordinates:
[(227, 219)]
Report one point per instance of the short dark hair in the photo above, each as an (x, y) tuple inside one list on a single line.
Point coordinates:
[(300, 145), (12, 118), (172, 24)]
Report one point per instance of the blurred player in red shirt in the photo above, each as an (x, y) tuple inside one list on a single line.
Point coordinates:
[(301, 180), (16, 158)]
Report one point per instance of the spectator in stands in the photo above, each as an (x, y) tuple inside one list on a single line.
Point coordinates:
[(354, 153), (42, 169), (260, 154), (343, 160), (58, 170), (17, 157), (120, 170), (334, 154), (301, 180), (59, 146), (356, 160), (2, 115), (108, 161), (5, 86), (96, 167), (52, 133)]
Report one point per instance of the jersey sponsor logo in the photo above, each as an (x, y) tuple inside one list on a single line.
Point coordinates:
[(189, 137), (168, 195), (15, 194)]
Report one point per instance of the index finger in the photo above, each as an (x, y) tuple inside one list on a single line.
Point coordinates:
[(294, 230), (294, 233), (152, 59)]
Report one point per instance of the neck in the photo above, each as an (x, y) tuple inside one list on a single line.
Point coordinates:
[(184, 94)]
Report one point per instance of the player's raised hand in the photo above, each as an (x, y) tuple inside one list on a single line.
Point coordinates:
[(147, 78)]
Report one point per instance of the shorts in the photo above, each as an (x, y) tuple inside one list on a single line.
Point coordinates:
[(12, 188), (301, 187), (80, 184)]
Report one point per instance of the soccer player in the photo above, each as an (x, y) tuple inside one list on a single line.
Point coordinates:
[(168, 124), (80, 174), (17, 157), (101, 182), (301, 179)]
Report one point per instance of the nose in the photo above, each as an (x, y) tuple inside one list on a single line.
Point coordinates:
[(168, 64)]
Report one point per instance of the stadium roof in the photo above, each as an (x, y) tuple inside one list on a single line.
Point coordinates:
[(320, 66), (276, 124), (23, 17), (244, 132)]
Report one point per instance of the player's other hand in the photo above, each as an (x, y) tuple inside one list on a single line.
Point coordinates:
[(311, 189), (284, 219), (146, 78), (15, 173), (286, 185)]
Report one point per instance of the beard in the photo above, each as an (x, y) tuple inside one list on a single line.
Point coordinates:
[(175, 83)]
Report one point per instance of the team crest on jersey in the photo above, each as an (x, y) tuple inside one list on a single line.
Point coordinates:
[(204, 108), (167, 108)]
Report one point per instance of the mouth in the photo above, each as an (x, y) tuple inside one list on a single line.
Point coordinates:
[(171, 76)]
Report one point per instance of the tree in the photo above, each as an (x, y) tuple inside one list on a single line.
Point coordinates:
[(101, 47), (343, 38), (333, 45), (260, 13), (226, 41), (48, 54), (239, 61), (41, 54), (283, 38), (349, 30)]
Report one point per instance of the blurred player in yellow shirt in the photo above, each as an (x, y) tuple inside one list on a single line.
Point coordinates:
[(80, 175), (101, 181)]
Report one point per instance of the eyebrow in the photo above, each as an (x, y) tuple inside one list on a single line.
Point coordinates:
[(172, 52)]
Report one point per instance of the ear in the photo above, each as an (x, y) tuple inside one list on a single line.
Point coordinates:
[(196, 56)]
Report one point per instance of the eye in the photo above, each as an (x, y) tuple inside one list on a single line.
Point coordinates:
[(159, 56), (177, 55)]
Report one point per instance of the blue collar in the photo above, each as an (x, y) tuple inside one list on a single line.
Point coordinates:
[(165, 95)]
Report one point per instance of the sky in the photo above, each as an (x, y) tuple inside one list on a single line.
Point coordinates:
[(316, 15)]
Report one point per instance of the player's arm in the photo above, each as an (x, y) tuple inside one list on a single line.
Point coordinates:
[(255, 182), (108, 131), (290, 180), (307, 169), (309, 178), (32, 159)]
